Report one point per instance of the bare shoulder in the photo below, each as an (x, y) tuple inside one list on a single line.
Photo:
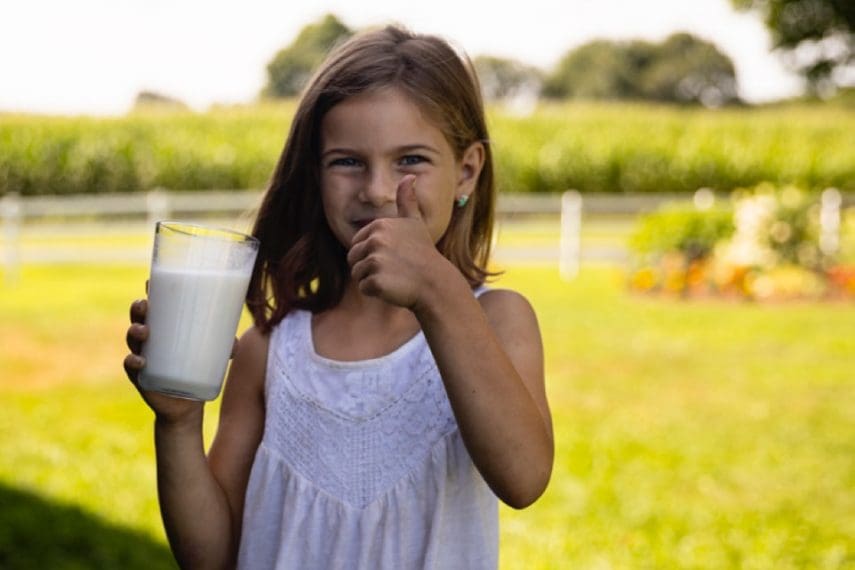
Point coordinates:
[(505, 307), (253, 346), (248, 368), (514, 323)]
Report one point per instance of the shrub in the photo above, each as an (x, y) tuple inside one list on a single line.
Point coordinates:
[(767, 246), (684, 229)]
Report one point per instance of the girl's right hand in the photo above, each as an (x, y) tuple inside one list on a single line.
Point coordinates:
[(167, 408)]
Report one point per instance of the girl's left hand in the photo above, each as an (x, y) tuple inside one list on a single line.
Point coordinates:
[(394, 258)]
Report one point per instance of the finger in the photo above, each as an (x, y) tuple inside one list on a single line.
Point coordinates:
[(366, 275), (364, 268), (408, 205), (139, 308), (362, 234), (133, 364), (370, 287), (357, 252), (234, 349), (136, 336), (376, 229)]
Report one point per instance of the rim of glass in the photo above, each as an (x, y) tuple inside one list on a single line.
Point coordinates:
[(200, 230)]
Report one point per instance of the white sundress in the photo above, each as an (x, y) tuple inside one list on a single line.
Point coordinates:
[(362, 466)]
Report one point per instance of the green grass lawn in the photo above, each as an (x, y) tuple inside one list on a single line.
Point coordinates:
[(688, 434)]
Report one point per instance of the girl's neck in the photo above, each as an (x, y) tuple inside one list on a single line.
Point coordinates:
[(361, 327), (359, 305)]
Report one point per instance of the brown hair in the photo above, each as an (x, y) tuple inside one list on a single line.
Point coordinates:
[(300, 263)]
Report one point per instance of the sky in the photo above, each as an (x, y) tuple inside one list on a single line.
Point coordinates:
[(94, 56)]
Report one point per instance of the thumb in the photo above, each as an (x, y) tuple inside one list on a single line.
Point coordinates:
[(408, 206)]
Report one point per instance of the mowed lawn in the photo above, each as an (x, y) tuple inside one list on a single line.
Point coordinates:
[(688, 434)]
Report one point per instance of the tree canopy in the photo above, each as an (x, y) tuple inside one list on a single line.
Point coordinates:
[(291, 67), (149, 100), (681, 69), (816, 37), (503, 78)]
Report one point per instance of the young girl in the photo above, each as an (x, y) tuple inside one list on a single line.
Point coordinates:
[(384, 398)]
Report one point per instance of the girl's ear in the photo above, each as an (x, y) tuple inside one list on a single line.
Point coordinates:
[(471, 164)]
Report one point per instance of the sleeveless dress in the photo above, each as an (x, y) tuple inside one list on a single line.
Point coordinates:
[(361, 465)]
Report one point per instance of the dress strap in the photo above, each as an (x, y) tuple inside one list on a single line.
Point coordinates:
[(480, 290)]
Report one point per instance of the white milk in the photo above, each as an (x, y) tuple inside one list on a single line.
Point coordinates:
[(192, 318)]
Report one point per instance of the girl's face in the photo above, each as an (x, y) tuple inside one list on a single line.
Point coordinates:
[(369, 142)]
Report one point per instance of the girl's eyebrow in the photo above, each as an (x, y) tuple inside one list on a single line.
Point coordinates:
[(401, 149), (418, 147), (337, 150)]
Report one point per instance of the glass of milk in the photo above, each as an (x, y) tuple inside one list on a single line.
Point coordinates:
[(198, 283)]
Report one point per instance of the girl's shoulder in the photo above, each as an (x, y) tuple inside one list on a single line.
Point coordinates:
[(499, 296), (255, 339), (249, 359), (506, 307), (248, 367)]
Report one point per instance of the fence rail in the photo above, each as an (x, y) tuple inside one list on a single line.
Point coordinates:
[(103, 206), (71, 215)]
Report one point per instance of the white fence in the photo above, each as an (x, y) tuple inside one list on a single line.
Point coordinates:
[(64, 216)]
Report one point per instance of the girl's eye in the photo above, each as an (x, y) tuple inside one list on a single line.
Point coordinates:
[(412, 160), (346, 162)]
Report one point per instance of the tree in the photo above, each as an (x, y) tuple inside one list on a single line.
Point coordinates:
[(596, 70), (503, 79), (686, 69), (816, 38), (149, 100), (682, 69), (291, 68)]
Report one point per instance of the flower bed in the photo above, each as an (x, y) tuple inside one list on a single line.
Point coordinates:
[(766, 244)]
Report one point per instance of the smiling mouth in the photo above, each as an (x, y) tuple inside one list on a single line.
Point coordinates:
[(361, 223)]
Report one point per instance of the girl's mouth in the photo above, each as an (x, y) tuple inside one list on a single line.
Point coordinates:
[(362, 222)]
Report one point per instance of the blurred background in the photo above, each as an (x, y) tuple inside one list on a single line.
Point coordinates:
[(677, 200)]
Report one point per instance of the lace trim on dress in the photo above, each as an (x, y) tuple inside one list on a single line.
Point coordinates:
[(355, 431)]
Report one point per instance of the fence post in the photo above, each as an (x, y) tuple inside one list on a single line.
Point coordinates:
[(10, 213), (571, 234), (157, 205), (704, 199), (829, 221)]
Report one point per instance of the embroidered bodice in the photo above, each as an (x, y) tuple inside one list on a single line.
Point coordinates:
[(361, 465)]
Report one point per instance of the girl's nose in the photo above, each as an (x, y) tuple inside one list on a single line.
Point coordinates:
[(380, 188)]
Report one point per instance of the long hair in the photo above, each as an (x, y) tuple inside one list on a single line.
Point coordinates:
[(301, 265)]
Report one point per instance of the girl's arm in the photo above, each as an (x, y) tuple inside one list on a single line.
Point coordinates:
[(491, 360), (201, 498), (241, 426)]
